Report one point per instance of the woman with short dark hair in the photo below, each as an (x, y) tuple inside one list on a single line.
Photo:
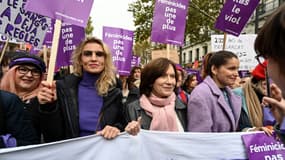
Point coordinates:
[(158, 106), (190, 83)]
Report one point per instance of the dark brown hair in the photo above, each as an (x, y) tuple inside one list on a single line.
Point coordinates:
[(153, 70), (133, 71), (216, 59), (270, 41), (187, 82)]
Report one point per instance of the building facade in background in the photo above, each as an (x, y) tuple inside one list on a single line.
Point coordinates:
[(190, 53)]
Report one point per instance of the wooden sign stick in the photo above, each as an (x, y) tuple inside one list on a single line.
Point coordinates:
[(53, 54), (4, 49)]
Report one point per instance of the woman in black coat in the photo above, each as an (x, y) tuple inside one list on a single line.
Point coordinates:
[(14, 131), (86, 102)]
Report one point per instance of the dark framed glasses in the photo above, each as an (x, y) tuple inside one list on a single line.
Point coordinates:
[(88, 53), (24, 70)]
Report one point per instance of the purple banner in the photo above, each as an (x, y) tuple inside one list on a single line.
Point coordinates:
[(70, 37), (25, 26), (120, 42), (261, 146), (136, 60), (169, 20), (235, 15), (70, 11)]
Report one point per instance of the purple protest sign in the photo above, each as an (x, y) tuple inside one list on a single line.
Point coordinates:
[(15, 22), (261, 146), (70, 11), (244, 73), (136, 60), (235, 15), (120, 42), (169, 20), (49, 35), (70, 37)]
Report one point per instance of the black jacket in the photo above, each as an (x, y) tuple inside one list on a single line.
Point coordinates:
[(33, 116), (244, 121), (61, 120), (134, 111), (12, 120), (133, 95)]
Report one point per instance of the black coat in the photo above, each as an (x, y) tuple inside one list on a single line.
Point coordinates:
[(61, 119), (133, 95), (33, 116), (13, 121)]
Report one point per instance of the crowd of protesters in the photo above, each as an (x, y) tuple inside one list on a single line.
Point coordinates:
[(160, 96)]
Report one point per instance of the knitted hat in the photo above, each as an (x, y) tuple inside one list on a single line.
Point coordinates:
[(259, 71), (26, 58)]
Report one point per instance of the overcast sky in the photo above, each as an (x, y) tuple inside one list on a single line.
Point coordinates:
[(111, 13)]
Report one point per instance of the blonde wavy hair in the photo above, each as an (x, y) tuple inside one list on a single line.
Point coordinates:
[(107, 79)]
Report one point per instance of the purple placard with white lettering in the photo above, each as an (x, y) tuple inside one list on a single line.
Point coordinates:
[(261, 146), (25, 26), (235, 15), (70, 11), (120, 42), (169, 20), (136, 60), (244, 73), (70, 37), (49, 34)]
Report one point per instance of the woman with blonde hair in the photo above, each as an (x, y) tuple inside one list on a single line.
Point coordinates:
[(252, 92), (87, 101)]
